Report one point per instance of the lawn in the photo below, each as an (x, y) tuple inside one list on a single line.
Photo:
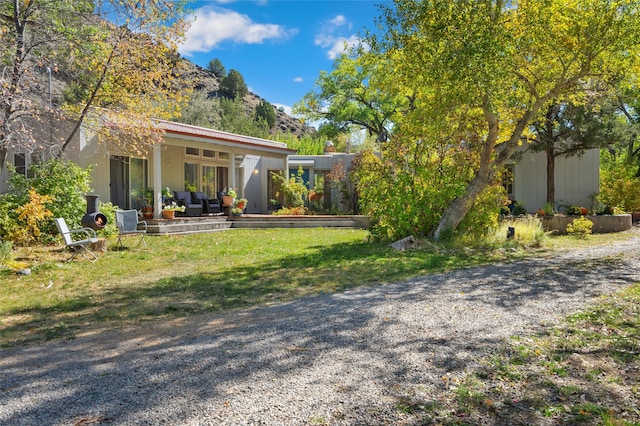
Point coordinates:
[(192, 274)]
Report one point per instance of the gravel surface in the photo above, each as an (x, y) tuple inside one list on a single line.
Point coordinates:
[(338, 359)]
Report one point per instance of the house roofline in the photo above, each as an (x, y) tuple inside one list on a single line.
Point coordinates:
[(187, 130)]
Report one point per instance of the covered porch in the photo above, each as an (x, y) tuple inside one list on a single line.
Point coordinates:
[(189, 158)]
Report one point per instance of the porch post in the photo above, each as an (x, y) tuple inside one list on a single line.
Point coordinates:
[(286, 167), (157, 181), (232, 170)]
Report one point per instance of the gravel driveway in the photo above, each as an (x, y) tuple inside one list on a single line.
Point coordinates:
[(339, 359)]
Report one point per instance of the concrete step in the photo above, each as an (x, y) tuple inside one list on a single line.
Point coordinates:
[(180, 226), (193, 225), (264, 221)]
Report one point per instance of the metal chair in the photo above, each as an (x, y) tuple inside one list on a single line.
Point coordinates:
[(128, 224), (80, 246)]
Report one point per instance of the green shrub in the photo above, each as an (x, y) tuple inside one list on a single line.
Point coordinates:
[(111, 230), (580, 227), (519, 209), (619, 185), (6, 251), (294, 189), (573, 210), (63, 182)]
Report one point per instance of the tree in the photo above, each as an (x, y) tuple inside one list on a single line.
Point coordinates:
[(568, 129), (233, 85), (491, 66), (202, 111), (234, 119), (266, 112), (351, 96), (628, 103), (216, 67), (118, 55)]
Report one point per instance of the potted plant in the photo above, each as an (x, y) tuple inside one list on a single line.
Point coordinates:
[(236, 211), (169, 211), (241, 203), (166, 194), (229, 197), (146, 203)]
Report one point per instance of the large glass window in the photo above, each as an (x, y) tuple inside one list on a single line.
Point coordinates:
[(141, 194), (274, 194), (209, 181), (222, 173), (190, 176)]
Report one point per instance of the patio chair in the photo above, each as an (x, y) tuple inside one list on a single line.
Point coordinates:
[(78, 246), (192, 208), (128, 224), (209, 205)]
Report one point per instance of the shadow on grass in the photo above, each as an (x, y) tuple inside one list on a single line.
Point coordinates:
[(324, 269), (356, 353)]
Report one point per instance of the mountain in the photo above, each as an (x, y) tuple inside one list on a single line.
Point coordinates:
[(205, 80)]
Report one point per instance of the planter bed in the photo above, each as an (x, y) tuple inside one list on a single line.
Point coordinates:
[(602, 224)]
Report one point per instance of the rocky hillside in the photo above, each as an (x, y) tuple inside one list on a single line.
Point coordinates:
[(206, 81)]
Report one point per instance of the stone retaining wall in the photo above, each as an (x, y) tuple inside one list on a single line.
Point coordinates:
[(601, 224)]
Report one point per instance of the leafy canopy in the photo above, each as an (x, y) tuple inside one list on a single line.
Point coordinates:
[(478, 73)]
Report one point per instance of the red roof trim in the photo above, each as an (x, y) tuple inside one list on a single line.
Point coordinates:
[(202, 132)]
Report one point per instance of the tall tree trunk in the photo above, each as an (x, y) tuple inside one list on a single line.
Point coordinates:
[(459, 207), (490, 163), (551, 176)]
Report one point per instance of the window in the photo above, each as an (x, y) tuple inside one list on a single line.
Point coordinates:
[(20, 163), (209, 180), (141, 195), (274, 194), (23, 162), (207, 153), (223, 155), (192, 151), (191, 176)]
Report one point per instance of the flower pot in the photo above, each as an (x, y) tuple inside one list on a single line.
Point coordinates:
[(227, 200), (240, 205), (147, 212), (168, 214)]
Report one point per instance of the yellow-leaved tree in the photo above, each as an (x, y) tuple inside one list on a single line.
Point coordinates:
[(480, 71), (118, 56)]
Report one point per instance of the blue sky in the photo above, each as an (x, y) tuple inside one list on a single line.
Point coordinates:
[(279, 46)]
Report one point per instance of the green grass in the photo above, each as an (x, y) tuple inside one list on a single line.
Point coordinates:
[(192, 274)]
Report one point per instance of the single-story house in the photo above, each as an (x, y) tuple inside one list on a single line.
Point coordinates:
[(189, 158), (201, 159)]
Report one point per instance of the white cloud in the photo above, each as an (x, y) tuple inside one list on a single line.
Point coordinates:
[(213, 26), (286, 108), (336, 44), (340, 20), (342, 45), (298, 80)]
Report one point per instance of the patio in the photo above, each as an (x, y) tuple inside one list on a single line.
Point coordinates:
[(201, 224)]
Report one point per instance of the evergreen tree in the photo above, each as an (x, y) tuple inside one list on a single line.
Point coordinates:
[(266, 112), (233, 85), (216, 67)]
